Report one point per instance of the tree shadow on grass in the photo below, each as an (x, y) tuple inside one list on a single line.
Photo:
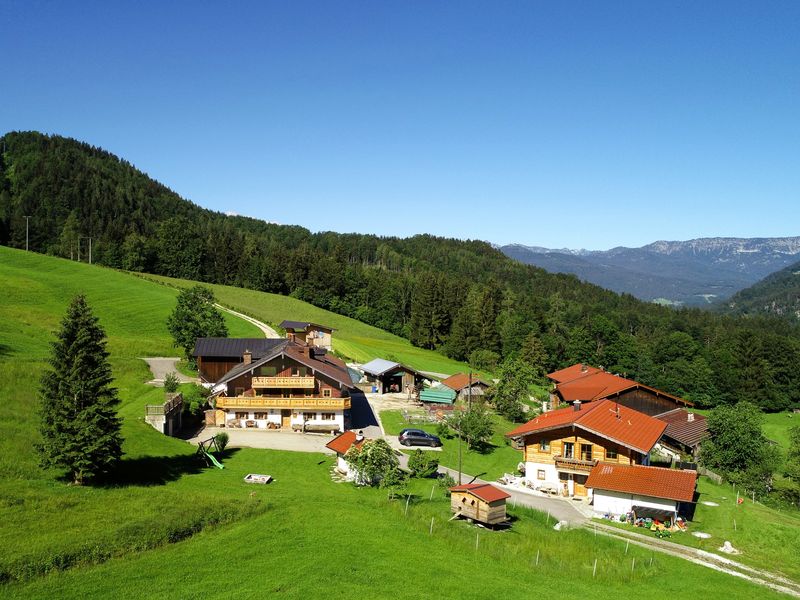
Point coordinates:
[(4, 350), (157, 470)]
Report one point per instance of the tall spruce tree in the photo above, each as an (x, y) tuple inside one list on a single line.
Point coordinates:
[(79, 424)]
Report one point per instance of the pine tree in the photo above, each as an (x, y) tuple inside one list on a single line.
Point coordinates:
[(79, 425)]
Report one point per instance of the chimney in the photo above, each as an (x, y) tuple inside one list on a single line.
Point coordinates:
[(690, 417), (584, 368), (576, 406), (360, 436), (247, 357)]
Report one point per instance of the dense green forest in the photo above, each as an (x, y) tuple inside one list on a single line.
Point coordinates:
[(464, 298), (777, 294)]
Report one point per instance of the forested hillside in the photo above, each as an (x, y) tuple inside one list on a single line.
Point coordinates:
[(777, 294), (464, 298)]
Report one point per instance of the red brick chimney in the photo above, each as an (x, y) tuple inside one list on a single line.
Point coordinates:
[(247, 357)]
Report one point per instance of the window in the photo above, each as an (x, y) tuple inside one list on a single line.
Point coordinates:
[(586, 452), (260, 415), (326, 393), (268, 371), (242, 415), (298, 371), (310, 416), (611, 454), (540, 474), (544, 445), (569, 450), (328, 416)]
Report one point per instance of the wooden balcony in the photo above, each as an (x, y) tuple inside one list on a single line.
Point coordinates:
[(289, 403), (301, 383), (574, 464)]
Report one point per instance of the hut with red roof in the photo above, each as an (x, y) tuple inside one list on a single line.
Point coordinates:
[(479, 502)]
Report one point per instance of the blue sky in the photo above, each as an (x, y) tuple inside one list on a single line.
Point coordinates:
[(558, 124)]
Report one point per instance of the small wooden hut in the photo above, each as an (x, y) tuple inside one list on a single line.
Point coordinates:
[(479, 502)]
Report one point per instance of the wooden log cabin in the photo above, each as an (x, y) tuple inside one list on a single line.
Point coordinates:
[(480, 502), (561, 447), (289, 386), (216, 356)]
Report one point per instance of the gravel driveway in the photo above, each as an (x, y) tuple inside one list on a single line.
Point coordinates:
[(160, 366)]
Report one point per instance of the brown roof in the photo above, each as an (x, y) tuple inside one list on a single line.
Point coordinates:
[(573, 372), (656, 482), (459, 381), (344, 441), (681, 429), (605, 418), (484, 491)]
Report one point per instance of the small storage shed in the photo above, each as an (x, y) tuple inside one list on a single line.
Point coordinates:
[(387, 376), (341, 444), (460, 384), (440, 395), (480, 502)]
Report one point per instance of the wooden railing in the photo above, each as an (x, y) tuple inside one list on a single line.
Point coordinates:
[(305, 383), (575, 464), (164, 409), (261, 402)]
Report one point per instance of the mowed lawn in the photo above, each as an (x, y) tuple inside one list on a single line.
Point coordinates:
[(768, 539), (777, 425), (352, 339), (313, 538), (166, 526), (497, 458)]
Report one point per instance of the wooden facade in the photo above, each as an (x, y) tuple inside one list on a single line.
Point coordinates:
[(571, 454), (469, 506), (646, 401), (212, 368)]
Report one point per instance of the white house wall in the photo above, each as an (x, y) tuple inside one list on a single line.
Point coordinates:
[(619, 503), (550, 474)]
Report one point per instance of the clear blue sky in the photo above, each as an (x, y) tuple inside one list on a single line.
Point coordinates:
[(559, 124)]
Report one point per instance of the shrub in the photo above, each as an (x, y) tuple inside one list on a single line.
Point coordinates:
[(423, 464), (446, 480), (443, 429), (484, 360), (222, 440), (171, 382)]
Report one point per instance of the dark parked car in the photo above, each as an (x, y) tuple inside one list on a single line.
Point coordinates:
[(417, 437)]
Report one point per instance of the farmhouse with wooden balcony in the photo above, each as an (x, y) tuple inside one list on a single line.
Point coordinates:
[(561, 447), (287, 385)]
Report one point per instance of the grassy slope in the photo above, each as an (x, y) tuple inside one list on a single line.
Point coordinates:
[(352, 339), (767, 539), (777, 425), (345, 542), (60, 523), (498, 458), (304, 535)]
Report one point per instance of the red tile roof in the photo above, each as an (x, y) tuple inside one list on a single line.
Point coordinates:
[(681, 429), (573, 383), (605, 418), (594, 387), (656, 482), (484, 491), (459, 381), (343, 442), (573, 372)]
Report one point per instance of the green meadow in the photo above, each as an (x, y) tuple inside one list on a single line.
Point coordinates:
[(166, 526)]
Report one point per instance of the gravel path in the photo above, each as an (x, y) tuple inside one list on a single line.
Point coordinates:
[(268, 331), (160, 366)]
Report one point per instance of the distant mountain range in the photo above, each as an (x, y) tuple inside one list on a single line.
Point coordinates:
[(776, 294), (694, 272)]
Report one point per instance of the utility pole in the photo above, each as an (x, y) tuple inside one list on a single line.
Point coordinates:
[(27, 217)]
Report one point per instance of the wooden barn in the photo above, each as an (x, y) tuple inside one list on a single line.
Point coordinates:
[(480, 502)]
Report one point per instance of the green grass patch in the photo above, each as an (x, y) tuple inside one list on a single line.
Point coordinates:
[(498, 458)]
